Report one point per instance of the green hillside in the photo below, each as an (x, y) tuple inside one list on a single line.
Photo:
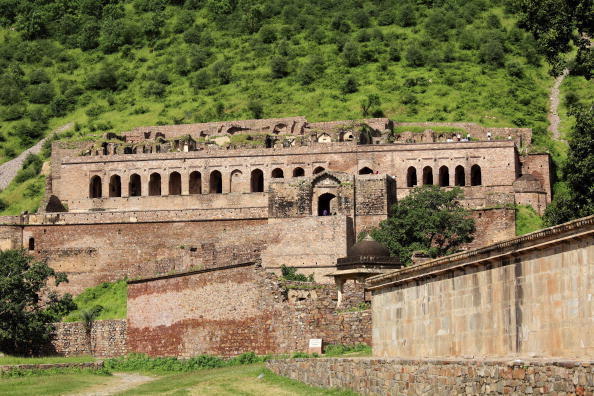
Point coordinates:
[(111, 65)]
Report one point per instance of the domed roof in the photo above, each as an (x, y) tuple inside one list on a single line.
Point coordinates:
[(368, 248)]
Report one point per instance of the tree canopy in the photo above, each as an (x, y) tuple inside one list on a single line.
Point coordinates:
[(578, 171), (430, 219), (556, 24), (27, 306)]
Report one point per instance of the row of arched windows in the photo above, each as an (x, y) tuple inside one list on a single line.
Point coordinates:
[(215, 182), (444, 176)]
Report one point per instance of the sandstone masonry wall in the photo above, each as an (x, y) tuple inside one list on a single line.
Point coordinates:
[(376, 376), (525, 297), (107, 339), (238, 309)]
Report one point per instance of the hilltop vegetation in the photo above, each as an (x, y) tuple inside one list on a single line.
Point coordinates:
[(111, 65)]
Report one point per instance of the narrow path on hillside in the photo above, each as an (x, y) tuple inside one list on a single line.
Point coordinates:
[(121, 383), (553, 115), (9, 169)]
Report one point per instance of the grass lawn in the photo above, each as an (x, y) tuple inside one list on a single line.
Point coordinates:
[(52, 384), (9, 360), (236, 380)]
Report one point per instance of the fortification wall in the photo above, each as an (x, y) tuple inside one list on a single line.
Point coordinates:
[(539, 165), (93, 253), (528, 296), (237, 309), (106, 339)]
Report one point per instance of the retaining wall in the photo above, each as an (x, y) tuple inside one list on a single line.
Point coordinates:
[(377, 376)]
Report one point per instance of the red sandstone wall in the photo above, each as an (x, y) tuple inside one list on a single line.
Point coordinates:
[(539, 165), (493, 225), (234, 310)]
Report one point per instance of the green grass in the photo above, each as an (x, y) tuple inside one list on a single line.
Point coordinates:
[(357, 350), (580, 88), (111, 296), (22, 197), (527, 220), (10, 360), (50, 384), (238, 380)]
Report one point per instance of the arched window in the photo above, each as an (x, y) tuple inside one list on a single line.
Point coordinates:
[(95, 187), (115, 186), (325, 204), (298, 172), (135, 185), (319, 169), (175, 184), (427, 175), (476, 178), (257, 181), (235, 181), (365, 171), (195, 183), (411, 177), (215, 182), (31, 243), (460, 176), (278, 173), (155, 184), (444, 176)]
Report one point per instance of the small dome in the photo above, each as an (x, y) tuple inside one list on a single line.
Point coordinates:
[(368, 248)]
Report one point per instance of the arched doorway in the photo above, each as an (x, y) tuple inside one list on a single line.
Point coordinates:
[(366, 171), (195, 183), (444, 176), (297, 172), (427, 175), (277, 173), (319, 169), (235, 181), (411, 177), (115, 186), (155, 184), (257, 181), (325, 204), (175, 187), (476, 178), (216, 182), (95, 187), (134, 186), (460, 176)]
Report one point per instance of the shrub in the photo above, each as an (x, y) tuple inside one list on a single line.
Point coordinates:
[(514, 69), (279, 67), (103, 78), (154, 88), (200, 80), (351, 54), (406, 16), (267, 34), (350, 85), (256, 109), (222, 70), (14, 112), (415, 56), (3, 204), (42, 93), (290, 273), (38, 76), (491, 52)]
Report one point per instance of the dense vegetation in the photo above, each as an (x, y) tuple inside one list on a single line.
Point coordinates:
[(111, 65), (118, 64)]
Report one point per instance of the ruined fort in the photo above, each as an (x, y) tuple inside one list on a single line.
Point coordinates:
[(200, 218)]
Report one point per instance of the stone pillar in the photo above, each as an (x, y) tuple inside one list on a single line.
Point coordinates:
[(226, 182), (206, 182), (105, 186), (144, 178), (185, 182), (339, 289), (125, 180), (165, 183)]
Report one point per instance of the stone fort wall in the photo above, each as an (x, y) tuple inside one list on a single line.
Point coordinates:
[(526, 297), (236, 309)]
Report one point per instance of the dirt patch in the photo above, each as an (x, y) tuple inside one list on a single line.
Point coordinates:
[(121, 382)]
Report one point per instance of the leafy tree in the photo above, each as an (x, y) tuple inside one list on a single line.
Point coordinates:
[(350, 85), (88, 317), (578, 172), (415, 55), (27, 308), (491, 52), (553, 23), (351, 53), (279, 67), (103, 78), (42, 93), (429, 219), (201, 79), (256, 109), (222, 70), (407, 16), (370, 103)]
